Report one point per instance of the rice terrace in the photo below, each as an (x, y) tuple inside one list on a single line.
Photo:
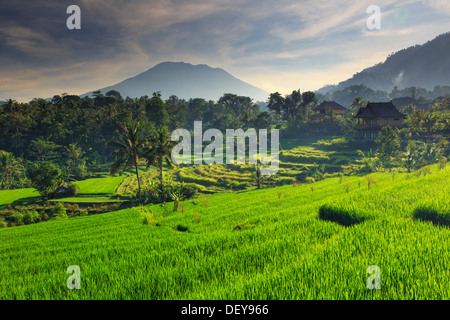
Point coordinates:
[(186, 183)]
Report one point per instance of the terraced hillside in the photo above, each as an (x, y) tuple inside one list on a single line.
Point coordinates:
[(298, 159), (289, 242)]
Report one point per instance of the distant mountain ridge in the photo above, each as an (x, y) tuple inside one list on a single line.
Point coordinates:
[(185, 81), (422, 66)]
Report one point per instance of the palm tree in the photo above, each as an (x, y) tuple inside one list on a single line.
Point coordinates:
[(158, 149), (412, 157), (128, 150), (11, 170), (258, 177)]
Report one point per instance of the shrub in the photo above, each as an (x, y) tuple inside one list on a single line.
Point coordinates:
[(72, 190), (58, 211), (17, 219), (31, 217), (154, 194), (83, 213), (189, 190), (442, 163), (44, 177), (149, 218), (310, 180), (3, 224), (345, 217)]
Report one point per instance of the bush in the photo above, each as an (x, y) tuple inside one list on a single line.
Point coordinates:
[(345, 217), (154, 194), (149, 218), (310, 180), (3, 224), (44, 177), (72, 190), (16, 219), (189, 190), (31, 217), (58, 211)]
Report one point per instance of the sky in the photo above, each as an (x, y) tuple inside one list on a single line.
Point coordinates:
[(280, 45)]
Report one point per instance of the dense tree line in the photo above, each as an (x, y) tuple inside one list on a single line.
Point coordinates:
[(42, 130), (73, 131)]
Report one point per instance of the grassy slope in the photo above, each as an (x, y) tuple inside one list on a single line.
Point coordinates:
[(11, 196), (88, 188), (296, 156), (283, 250)]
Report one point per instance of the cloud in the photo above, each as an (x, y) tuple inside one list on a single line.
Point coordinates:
[(280, 44)]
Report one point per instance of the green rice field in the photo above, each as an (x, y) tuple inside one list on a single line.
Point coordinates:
[(305, 241)]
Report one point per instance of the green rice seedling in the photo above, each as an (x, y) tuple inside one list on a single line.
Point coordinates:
[(289, 254)]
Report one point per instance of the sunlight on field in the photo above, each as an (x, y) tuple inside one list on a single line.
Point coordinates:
[(261, 244)]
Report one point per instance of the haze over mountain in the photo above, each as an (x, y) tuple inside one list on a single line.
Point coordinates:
[(422, 66), (185, 81)]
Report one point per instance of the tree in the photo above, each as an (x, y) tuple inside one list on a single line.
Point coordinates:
[(43, 150), (157, 150), (11, 171), (430, 119), (258, 177), (369, 162), (276, 102), (432, 151), (388, 145), (411, 159), (75, 161), (128, 150), (44, 176)]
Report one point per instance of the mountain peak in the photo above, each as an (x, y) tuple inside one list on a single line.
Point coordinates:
[(186, 81)]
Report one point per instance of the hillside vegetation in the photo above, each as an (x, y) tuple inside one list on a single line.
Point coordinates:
[(309, 241)]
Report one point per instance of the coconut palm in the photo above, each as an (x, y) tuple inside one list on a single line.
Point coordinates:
[(157, 150), (128, 150), (11, 170)]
